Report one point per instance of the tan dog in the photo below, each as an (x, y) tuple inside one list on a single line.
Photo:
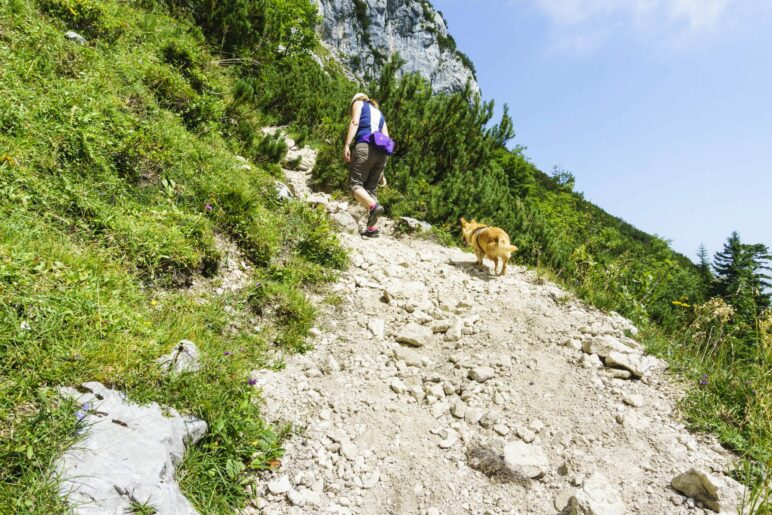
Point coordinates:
[(490, 242)]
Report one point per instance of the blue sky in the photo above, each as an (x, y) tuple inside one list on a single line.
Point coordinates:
[(662, 109)]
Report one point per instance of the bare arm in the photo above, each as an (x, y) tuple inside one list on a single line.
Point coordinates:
[(385, 130), (356, 112)]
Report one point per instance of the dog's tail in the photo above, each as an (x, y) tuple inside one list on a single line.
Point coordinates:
[(503, 243)]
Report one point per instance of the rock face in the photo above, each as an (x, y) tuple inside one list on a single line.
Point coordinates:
[(363, 34), (128, 454)]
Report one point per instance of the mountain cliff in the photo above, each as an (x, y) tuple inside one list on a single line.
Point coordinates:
[(363, 34)]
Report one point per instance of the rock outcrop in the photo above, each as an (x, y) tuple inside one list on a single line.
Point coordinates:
[(127, 456), (363, 34)]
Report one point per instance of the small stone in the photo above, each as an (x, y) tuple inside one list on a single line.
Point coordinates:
[(183, 359), (438, 409), (296, 497), (617, 373), (433, 511), (414, 334), (440, 326), (525, 434), (596, 497), (348, 450), (314, 332), (377, 327), (371, 480), (454, 332), (458, 409), (434, 390), (280, 485), (397, 386), (633, 399), (330, 365), (74, 36), (525, 459), (636, 364), (591, 361), (603, 345), (337, 435), (473, 415), (481, 374), (719, 494), (501, 429), (410, 357), (488, 420), (449, 440), (562, 499)]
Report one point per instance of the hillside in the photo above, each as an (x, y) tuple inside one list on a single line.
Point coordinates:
[(434, 387), (144, 210), (124, 187)]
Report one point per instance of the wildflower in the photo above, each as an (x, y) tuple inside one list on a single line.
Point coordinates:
[(80, 415), (226, 353), (252, 381), (704, 379), (86, 406), (208, 207), (24, 326)]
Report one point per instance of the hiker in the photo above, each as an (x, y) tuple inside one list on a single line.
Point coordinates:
[(367, 160)]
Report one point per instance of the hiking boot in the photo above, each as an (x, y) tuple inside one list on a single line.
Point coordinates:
[(370, 233), (374, 214)]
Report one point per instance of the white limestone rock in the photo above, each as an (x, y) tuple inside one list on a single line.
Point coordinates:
[(128, 452)]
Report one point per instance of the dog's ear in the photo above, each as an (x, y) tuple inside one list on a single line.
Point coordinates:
[(474, 221), (463, 221)]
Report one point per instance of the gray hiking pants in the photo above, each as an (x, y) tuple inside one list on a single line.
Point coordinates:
[(367, 165)]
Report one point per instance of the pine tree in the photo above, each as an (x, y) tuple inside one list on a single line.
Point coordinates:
[(742, 279), (703, 266)]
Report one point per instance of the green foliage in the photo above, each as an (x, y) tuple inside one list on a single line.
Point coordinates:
[(741, 279), (90, 17), (257, 29), (119, 176)]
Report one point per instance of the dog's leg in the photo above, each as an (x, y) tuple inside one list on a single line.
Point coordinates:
[(504, 260), (480, 259), (495, 263)]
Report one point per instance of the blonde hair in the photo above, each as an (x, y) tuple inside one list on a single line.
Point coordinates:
[(363, 98)]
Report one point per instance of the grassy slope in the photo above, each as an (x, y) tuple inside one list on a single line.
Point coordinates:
[(117, 172)]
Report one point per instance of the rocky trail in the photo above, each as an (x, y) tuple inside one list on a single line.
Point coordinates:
[(433, 388), (436, 388)]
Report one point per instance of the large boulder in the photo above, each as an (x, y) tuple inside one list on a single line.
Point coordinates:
[(128, 453)]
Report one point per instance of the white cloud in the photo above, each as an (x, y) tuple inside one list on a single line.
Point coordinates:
[(583, 25)]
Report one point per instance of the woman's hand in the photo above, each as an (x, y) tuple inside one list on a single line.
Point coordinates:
[(382, 180), (347, 154)]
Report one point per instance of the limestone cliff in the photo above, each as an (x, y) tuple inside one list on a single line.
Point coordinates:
[(363, 34)]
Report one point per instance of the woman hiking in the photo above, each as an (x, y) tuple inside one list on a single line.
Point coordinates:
[(367, 160)]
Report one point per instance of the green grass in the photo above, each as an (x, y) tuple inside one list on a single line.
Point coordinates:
[(731, 399), (117, 169)]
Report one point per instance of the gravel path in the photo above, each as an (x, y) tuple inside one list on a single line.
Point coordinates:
[(435, 388)]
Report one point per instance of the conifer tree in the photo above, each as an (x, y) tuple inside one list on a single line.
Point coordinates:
[(704, 268), (742, 279)]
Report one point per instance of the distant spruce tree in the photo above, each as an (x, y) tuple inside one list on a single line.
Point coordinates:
[(704, 269), (742, 278)]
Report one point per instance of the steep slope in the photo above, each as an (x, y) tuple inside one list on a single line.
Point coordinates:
[(363, 34), (427, 363)]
